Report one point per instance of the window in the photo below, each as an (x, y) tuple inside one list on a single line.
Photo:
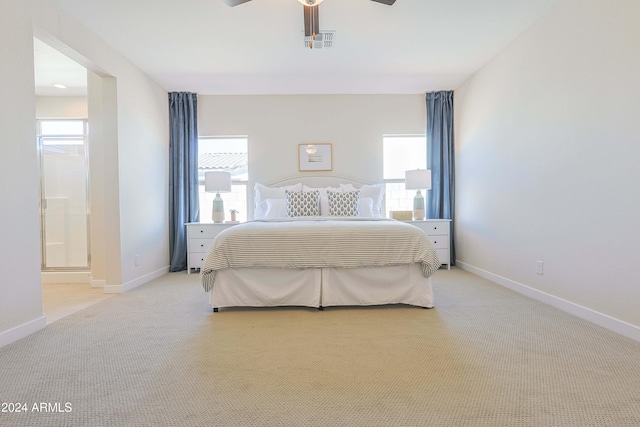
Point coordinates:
[(401, 153), (224, 154)]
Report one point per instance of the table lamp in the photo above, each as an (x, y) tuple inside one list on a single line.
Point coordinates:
[(217, 182), (416, 180)]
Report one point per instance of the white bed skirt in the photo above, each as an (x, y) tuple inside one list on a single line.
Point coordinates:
[(262, 287)]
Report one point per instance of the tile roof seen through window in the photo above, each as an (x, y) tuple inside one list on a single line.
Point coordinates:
[(222, 160)]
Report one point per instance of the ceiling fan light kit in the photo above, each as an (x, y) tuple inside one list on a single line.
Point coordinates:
[(312, 36), (304, 2)]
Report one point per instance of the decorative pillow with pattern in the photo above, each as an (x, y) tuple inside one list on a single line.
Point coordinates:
[(303, 203), (344, 203)]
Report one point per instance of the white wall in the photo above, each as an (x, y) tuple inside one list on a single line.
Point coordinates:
[(20, 288), (143, 162), (547, 145), (275, 125)]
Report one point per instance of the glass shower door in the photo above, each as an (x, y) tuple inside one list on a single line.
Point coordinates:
[(64, 195)]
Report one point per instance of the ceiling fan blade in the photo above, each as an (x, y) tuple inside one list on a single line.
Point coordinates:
[(311, 21), (234, 2), (387, 2)]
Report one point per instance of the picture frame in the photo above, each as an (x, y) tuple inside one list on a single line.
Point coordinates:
[(314, 157)]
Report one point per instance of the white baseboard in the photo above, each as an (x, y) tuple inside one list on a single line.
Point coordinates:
[(125, 287), (600, 319), (19, 332), (98, 283)]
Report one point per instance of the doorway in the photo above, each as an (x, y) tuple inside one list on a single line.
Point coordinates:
[(62, 122), (76, 113)]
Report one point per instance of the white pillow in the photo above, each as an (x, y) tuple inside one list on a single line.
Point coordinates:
[(365, 206), (276, 208), (374, 191), (262, 193)]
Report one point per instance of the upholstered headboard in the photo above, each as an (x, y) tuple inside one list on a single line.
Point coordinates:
[(318, 181)]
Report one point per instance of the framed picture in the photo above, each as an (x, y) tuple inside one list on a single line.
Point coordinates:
[(314, 157)]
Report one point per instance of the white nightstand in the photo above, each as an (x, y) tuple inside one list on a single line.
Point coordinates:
[(438, 231), (200, 236)]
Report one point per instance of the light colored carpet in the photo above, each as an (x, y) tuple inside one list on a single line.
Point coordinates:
[(485, 356)]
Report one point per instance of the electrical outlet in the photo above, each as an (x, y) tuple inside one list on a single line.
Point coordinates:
[(539, 266), (136, 260)]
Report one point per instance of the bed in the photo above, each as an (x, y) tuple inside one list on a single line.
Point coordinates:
[(319, 242)]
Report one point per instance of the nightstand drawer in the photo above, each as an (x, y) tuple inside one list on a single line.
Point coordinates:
[(433, 227), (440, 242), (196, 259), (200, 245), (204, 232), (443, 256)]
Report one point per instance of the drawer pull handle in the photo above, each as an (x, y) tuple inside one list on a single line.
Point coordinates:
[(202, 231), (202, 246), (435, 241)]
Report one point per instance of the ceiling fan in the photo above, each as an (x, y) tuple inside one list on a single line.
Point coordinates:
[(311, 20)]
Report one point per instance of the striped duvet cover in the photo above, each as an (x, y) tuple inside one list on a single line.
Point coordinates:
[(317, 242)]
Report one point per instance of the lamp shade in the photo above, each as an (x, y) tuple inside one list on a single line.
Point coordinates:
[(217, 182), (417, 179)]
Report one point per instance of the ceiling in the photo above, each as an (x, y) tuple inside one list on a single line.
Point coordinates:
[(204, 46), (52, 67)]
